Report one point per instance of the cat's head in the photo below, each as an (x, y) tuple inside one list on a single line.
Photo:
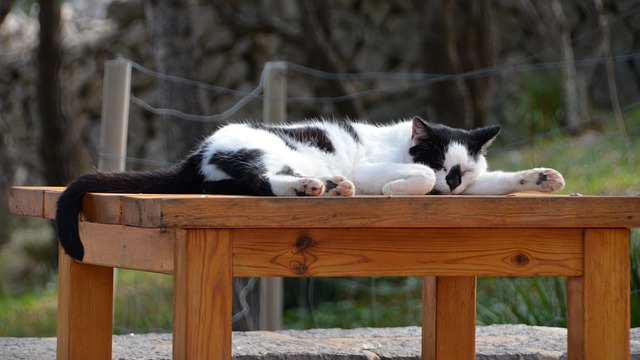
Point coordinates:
[(455, 155)]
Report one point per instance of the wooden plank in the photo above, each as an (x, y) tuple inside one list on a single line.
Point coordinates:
[(599, 310), (26, 201), (147, 213), (128, 248), (407, 252), (405, 211), (102, 208), (575, 318), (203, 295), (361, 211), (448, 318), (85, 310), (50, 202)]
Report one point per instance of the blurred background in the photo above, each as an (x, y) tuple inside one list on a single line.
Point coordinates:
[(562, 77)]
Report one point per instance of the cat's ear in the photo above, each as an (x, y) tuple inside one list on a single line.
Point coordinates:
[(483, 137), (420, 130)]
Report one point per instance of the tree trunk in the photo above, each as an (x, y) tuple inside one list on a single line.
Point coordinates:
[(459, 37), (57, 143), (175, 52), (570, 93), (322, 54), (478, 45)]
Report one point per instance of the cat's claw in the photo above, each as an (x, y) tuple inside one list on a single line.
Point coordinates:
[(339, 186)]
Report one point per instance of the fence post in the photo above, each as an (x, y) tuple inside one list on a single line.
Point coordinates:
[(275, 92), (274, 111), (114, 123), (115, 115)]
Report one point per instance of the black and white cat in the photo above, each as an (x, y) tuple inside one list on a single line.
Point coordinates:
[(318, 158)]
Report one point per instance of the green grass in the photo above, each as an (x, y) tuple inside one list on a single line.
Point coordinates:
[(30, 314), (597, 163), (594, 163), (144, 303)]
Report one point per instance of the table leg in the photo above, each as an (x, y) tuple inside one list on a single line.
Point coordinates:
[(85, 310), (202, 295), (598, 309), (448, 317)]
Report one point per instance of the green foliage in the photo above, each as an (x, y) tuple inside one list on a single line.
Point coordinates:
[(144, 302), (533, 301), (543, 106), (593, 163), (29, 314), (359, 302)]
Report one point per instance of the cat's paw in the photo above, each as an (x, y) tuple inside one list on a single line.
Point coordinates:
[(339, 186), (419, 183), (310, 187), (542, 179)]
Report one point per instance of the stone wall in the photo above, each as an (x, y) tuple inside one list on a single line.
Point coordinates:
[(377, 37)]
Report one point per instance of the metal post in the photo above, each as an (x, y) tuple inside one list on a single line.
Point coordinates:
[(274, 111)]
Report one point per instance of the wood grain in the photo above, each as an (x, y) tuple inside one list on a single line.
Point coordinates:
[(85, 310), (26, 201), (417, 211), (104, 209), (406, 252), (448, 318), (203, 300), (128, 248), (606, 294), (214, 211)]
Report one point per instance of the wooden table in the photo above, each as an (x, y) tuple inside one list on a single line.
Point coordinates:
[(205, 241)]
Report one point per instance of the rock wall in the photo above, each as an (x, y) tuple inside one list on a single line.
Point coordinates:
[(377, 37)]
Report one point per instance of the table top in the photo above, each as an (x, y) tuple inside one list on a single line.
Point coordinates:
[(216, 211)]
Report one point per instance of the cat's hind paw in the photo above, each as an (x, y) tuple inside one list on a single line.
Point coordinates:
[(543, 180), (310, 187), (339, 186)]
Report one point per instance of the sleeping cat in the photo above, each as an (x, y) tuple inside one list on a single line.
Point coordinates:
[(318, 158)]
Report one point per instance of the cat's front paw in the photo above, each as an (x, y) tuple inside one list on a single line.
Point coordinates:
[(339, 186), (542, 179)]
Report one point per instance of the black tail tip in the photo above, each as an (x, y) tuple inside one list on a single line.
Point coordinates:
[(75, 251)]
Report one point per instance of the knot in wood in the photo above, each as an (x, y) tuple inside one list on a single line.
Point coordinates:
[(520, 259), (304, 242), (299, 268)]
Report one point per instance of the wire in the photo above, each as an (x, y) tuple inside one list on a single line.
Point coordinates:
[(244, 304), (419, 80), (203, 118)]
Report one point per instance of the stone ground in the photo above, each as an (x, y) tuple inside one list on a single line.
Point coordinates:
[(499, 342)]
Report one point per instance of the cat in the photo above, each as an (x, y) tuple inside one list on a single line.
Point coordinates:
[(318, 158)]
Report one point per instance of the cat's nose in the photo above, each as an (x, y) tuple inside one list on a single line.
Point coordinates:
[(454, 177)]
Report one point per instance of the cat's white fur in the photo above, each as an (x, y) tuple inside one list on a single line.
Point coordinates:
[(379, 163)]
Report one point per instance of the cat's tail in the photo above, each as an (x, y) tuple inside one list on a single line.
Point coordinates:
[(182, 179)]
